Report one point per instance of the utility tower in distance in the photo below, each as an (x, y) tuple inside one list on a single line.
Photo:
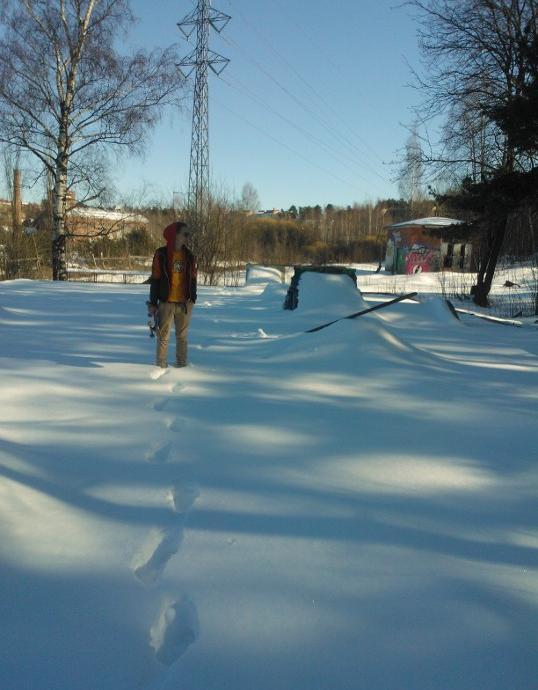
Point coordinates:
[(201, 20)]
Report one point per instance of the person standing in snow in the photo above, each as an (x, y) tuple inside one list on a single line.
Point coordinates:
[(173, 292)]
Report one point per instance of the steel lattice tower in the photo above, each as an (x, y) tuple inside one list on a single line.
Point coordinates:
[(200, 60)]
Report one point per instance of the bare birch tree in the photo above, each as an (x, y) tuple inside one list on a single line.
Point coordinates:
[(68, 97)]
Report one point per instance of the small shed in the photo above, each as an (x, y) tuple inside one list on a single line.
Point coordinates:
[(418, 246)]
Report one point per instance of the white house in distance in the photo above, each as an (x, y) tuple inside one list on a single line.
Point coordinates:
[(411, 248), (90, 222)]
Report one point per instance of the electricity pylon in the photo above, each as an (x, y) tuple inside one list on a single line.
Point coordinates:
[(201, 19)]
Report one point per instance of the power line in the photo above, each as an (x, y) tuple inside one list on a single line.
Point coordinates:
[(333, 64), (311, 137), (289, 148), (316, 93), (308, 85), (316, 115)]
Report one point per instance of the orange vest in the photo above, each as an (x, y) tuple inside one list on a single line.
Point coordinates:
[(178, 282)]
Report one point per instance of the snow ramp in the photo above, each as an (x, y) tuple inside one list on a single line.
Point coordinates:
[(354, 346), (326, 297), (437, 310), (428, 313), (318, 297), (356, 343), (259, 275)]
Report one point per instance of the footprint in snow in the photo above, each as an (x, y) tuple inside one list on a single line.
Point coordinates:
[(159, 452), (157, 373), (175, 629), (162, 546), (182, 497), (160, 404), (177, 424)]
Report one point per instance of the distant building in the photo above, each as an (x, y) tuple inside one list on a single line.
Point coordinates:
[(90, 222), (86, 222), (411, 247), (268, 214)]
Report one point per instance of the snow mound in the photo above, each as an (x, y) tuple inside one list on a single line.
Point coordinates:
[(436, 310), (357, 347), (381, 346), (275, 292), (355, 344), (329, 295), (262, 274)]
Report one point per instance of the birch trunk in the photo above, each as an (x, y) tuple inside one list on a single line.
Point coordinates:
[(59, 256), (59, 210)]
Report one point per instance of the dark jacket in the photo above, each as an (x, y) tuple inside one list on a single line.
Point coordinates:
[(162, 270)]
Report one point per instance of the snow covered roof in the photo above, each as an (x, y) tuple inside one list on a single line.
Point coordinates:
[(104, 214), (7, 202), (432, 222)]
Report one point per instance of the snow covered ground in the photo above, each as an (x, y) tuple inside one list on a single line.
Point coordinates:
[(351, 509), (513, 290), (518, 300)]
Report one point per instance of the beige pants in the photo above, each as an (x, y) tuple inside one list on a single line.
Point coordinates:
[(173, 312)]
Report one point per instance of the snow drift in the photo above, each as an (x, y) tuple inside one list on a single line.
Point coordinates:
[(349, 509)]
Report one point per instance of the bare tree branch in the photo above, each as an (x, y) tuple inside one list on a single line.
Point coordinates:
[(66, 91)]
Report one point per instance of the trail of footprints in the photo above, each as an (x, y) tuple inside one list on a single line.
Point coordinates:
[(164, 543), (176, 627)]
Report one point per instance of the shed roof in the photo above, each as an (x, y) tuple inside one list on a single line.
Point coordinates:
[(433, 222), (104, 214)]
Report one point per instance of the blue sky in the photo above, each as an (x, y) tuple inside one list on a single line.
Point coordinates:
[(310, 109)]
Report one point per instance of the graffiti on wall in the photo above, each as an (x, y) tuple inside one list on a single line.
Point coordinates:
[(417, 259)]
